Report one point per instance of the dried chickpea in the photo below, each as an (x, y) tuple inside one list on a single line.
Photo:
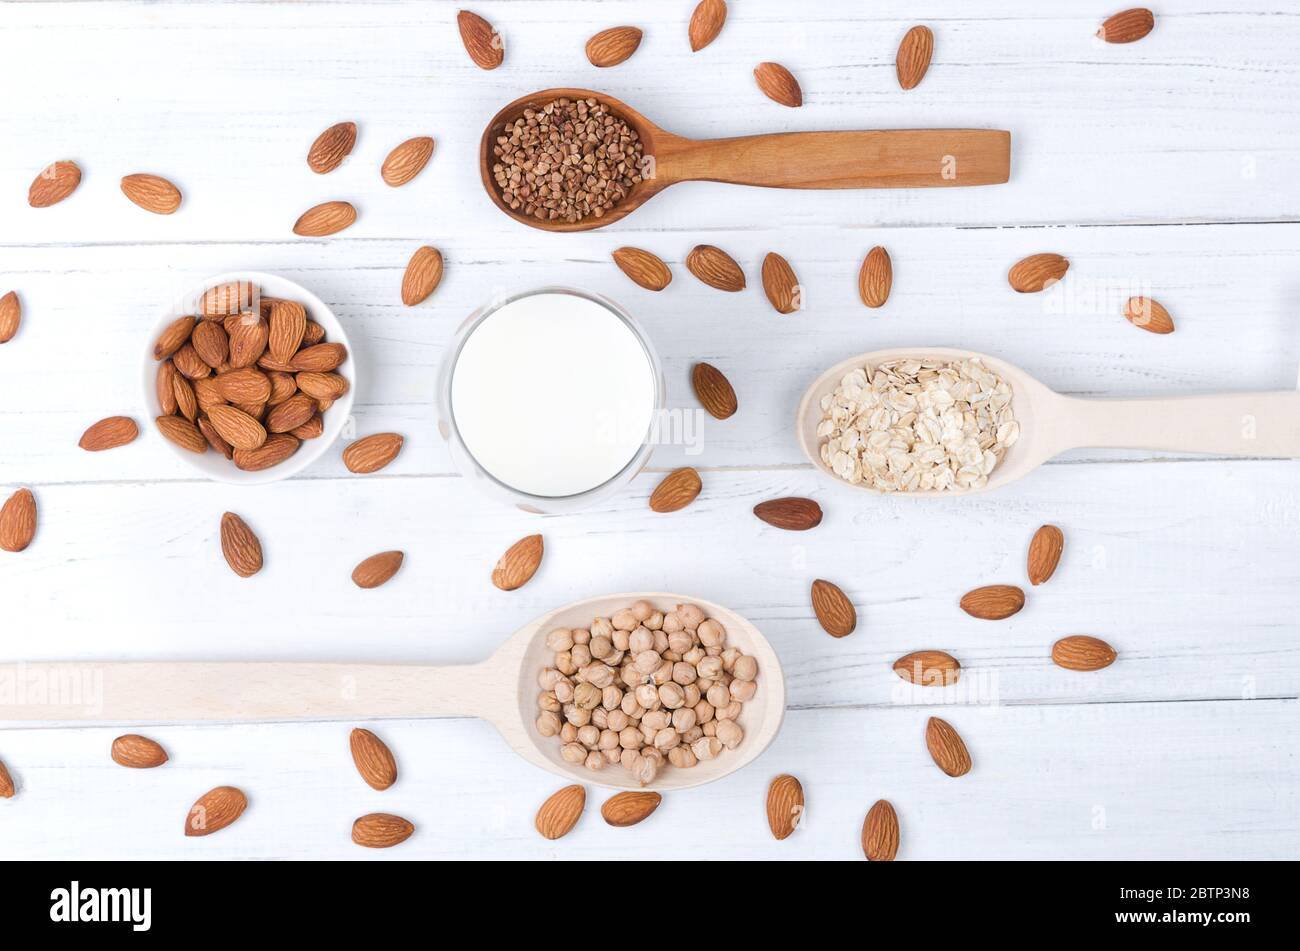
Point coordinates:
[(614, 659), (645, 770), (680, 642), (580, 636), (630, 677), (719, 696), (664, 674), (703, 712), (601, 647), (654, 622), (694, 656), (660, 641), (667, 738), (711, 728), (627, 759), (576, 715), (617, 720), (548, 723), (711, 633), (706, 747), (683, 673), (654, 755), (547, 678), (564, 690), (642, 610), (611, 756), (693, 734), (600, 718), (547, 702), (745, 668), (607, 740), (743, 690), (625, 621), (693, 695), (568, 733), (630, 703), (598, 675), (601, 627), (655, 720), (621, 640), (682, 757), (630, 738), (730, 734), (640, 640), (564, 664), (580, 654), (730, 712), (647, 662), (588, 736), (683, 719), (586, 696), (709, 668), (648, 734), (690, 615), (595, 761), (573, 753), (611, 697), (672, 696), (560, 639), (672, 623), (729, 657)]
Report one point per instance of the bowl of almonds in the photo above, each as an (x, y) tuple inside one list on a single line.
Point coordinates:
[(249, 378)]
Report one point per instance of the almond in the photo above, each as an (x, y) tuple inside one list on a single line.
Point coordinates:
[(186, 400), (249, 334), (322, 386), (313, 335), (407, 161), (380, 830), (993, 602), (283, 386), (311, 429), (778, 84), (1148, 314), (240, 546), (237, 427), (6, 782), (165, 387), (482, 42), (207, 394), (628, 808), (227, 300), (152, 193), (109, 434), (613, 46), (1080, 652), (173, 338), (214, 810), (713, 390), (706, 23), (784, 806), (946, 747), (328, 218), (928, 668), (285, 327), (1127, 26), (245, 385), (677, 490), (18, 521), (182, 432), (835, 612), (275, 450), (319, 358), (373, 758), (371, 453), (913, 57), (716, 268), (780, 284), (423, 274), (137, 752), (291, 414), (880, 832), (1037, 272), (519, 563), (11, 315), (214, 438), (876, 277), (646, 269), (55, 183), (1045, 553), (792, 514), (377, 569), (211, 343), (331, 147), (191, 365), (561, 812)]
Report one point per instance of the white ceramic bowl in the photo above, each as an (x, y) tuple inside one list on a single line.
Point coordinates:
[(213, 464)]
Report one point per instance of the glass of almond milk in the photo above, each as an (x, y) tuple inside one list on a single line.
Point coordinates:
[(549, 398)]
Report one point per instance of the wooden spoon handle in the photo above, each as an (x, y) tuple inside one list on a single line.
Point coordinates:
[(912, 158), (1237, 424), (162, 692)]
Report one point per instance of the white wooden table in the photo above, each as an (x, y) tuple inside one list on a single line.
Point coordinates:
[(1168, 165)]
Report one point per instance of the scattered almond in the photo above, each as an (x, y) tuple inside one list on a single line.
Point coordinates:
[(372, 453), (11, 315), (55, 183), (1127, 26), (407, 161), (716, 268), (928, 668), (423, 274), (377, 569), (182, 432), (784, 806), (240, 546), (946, 747), (646, 269), (913, 57), (713, 390), (778, 84), (18, 521), (613, 46), (876, 277), (561, 812), (137, 752), (275, 450), (780, 284), (6, 782), (380, 830), (1081, 652), (1037, 272), (628, 808), (1148, 314), (880, 832), (1045, 553), (835, 612), (993, 602), (519, 563), (482, 42), (792, 514), (331, 147), (153, 193), (373, 758), (109, 434), (677, 490), (706, 23), (214, 810), (328, 218)]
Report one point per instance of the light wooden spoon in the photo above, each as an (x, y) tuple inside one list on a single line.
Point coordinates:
[(502, 690), (899, 158), (1235, 424)]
